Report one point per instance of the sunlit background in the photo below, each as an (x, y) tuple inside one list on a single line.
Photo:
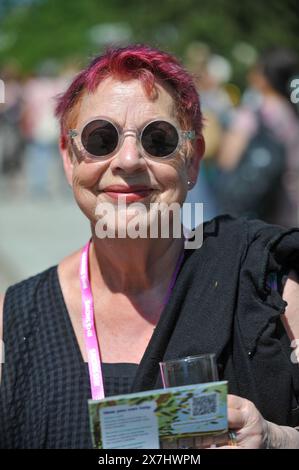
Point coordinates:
[(43, 43)]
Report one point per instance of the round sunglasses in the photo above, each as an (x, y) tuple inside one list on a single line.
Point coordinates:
[(101, 138)]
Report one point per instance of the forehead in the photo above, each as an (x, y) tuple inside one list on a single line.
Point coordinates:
[(126, 102)]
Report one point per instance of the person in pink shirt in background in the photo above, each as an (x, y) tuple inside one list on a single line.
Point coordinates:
[(42, 163)]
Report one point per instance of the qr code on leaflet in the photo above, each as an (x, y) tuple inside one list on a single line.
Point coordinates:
[(205, 405)]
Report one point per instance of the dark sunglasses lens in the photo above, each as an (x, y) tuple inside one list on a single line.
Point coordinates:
[(160, 139), (99, 138)]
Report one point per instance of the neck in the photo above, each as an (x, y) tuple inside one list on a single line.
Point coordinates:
[(132, 266)]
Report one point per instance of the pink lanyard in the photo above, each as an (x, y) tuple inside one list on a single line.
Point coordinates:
[(90, 334)]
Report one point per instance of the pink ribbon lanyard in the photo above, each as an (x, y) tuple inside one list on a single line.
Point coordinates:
[(90, 334)]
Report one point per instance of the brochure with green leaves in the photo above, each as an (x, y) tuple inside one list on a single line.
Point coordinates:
[(148, 419)]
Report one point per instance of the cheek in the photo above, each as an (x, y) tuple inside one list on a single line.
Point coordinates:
[(87, 175), (86, 178), (84, 192), (172, 175)]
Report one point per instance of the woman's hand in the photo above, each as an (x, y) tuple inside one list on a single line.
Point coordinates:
[(247, 423), (253, 431)]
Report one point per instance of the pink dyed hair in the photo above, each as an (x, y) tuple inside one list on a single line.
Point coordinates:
[(134, 62)]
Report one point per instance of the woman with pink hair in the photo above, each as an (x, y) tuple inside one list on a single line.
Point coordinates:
[(99, 323)]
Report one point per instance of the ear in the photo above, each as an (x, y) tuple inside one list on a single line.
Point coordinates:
[(194, 161), (67, 159)]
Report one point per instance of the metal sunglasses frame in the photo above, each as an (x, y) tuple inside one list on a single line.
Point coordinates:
[(122, 133)]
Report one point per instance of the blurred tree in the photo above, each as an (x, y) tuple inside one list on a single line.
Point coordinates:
[(34, 30)]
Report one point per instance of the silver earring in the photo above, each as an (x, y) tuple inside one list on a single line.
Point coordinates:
[(189, 184)]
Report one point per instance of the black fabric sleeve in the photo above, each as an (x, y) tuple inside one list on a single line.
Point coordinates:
[(270, 249), (273, 249)]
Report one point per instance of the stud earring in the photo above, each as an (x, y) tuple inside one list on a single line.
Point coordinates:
[(189, 183)]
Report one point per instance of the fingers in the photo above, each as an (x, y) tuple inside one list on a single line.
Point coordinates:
[(233, 401), (236, 418), (236, 412), (244, 418)]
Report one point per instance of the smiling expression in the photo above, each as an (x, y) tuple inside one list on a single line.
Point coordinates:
[(128, 174)]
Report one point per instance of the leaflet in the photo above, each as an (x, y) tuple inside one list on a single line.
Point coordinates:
[(156, 418)]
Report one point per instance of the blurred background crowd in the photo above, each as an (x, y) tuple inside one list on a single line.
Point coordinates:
[(244, 59)]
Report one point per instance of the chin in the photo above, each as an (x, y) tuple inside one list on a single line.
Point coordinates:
[(127, 223)]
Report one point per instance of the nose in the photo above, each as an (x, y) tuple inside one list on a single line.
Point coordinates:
[(128, 157)]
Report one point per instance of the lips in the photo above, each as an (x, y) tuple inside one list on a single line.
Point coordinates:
[(130, 193)]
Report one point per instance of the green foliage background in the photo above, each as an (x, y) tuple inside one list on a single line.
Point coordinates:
[(34, 30)]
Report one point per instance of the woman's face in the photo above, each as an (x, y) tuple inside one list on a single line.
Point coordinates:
[(128, 174)]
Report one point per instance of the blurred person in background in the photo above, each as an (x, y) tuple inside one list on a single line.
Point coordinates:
[(42, 164), (211, 72), (267, 106), (11, 139)]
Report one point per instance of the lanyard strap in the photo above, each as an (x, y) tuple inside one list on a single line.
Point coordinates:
[(90, 334)]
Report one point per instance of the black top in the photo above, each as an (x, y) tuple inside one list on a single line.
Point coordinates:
[(55, 401), (220, 304), (118, 378)]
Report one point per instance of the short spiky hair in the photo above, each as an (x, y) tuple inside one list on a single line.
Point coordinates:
[(134, 62)]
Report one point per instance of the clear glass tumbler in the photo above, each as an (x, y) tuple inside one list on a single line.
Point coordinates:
[(188, 371)]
